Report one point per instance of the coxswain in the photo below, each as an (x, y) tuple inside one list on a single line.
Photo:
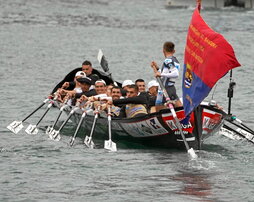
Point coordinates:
[(169, 72)]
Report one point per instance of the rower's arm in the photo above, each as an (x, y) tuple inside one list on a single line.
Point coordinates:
[(131, 100)]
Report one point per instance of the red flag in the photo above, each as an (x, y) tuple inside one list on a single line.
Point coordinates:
[(208, 57)]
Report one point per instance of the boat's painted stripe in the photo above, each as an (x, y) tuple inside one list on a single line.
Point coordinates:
[(146, 128), (187, 139)]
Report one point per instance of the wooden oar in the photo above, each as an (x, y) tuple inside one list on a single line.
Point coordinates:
[(109, 145), (16, 126), (233, 118), (240, 126), (55, 134), (245, 135), (241, 130), (190, 151), (32, 129), (88, 139), (77, 129)]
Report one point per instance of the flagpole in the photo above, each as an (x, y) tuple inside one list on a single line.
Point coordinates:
[(197, 111), (230, 92), (199, 5)]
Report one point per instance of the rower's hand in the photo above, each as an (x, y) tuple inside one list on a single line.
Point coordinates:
[(157, 74), (154, 65), (71, 94), (83, 98), (108, 105), (106, 99), (65, 85), (61, 91), (92, 99), (110, 102)]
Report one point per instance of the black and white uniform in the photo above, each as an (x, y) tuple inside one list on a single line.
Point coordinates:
[(169, 73)]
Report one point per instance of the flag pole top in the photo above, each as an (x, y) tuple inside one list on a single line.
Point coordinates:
[(198, 4)]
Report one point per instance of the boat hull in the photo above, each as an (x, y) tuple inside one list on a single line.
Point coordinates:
[(156, 129)]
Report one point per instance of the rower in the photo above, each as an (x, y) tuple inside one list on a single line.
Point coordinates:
[(100, 92), (71, 88), (84, 84), (73, 84), (140, 83), (125, 85), (134, 105), (106, 101), (156, 98)]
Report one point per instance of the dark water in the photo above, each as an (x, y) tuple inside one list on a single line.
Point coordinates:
[(41, 41)]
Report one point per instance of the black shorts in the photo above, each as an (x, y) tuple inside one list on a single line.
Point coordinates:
[(171, 90)]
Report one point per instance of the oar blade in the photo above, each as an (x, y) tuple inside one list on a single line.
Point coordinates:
[(110, 145), (55, 135), (102, 60), (57, 138), (31, 130), (49, 130), (72, 141), (192, 153), (15, 126), (89, 142), (51, 133)]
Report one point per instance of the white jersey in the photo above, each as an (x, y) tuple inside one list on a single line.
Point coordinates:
[(170, 71)]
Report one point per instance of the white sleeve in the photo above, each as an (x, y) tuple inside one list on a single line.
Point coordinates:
[(101, 96), (173, 73)]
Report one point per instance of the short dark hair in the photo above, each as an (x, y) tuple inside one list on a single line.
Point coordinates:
[(169, 46), (115, 87), (86, 62), (139, 80), (133, 86)]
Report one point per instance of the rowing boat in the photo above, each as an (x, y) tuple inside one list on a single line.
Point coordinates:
[(156, 129)]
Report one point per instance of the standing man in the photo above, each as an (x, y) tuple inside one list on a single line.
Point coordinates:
[(169, 71)]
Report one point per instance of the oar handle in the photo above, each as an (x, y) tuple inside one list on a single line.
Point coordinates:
[(69, 116), (94, 121), (48, 108), (109, 122), (42, 104), (79, 124), (241, 122), (242, 126), (54, 124), (109, 113)]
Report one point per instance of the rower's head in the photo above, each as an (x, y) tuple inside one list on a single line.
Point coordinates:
[(116, 92), (127, 83), (109, 88), (100, 87), (87, 67), (168, 47), (84, 83), (132, 91), (79, 74), (141, 85), (153, 87)]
